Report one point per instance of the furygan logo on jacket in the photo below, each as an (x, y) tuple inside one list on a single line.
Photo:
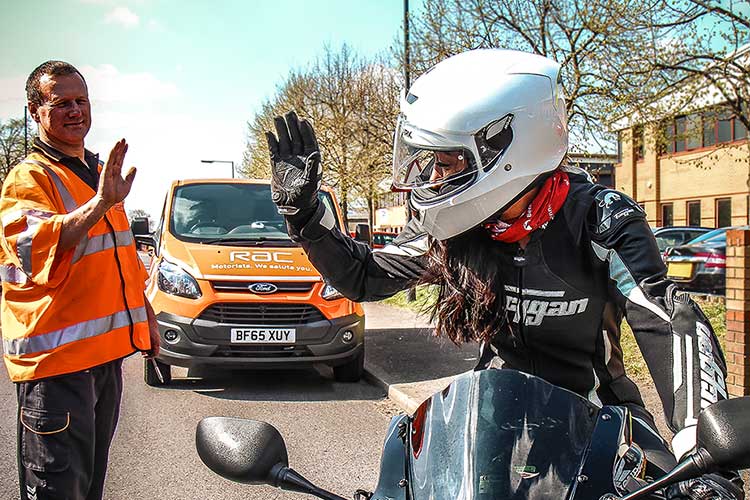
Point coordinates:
[(534, 310)]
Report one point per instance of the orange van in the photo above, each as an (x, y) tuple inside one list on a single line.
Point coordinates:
[(231, 289)]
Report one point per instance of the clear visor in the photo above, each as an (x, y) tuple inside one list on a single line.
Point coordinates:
[(429, 168)]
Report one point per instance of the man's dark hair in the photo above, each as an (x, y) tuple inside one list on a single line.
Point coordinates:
[(52, 68)]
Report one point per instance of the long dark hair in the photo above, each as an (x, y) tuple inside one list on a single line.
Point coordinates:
[(470, 305)]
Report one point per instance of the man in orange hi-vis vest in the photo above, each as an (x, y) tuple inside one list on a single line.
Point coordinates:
[(73, 303)]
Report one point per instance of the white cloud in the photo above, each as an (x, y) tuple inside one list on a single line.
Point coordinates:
[(122, 16), (108, 85), (12, 97), (155, 26)]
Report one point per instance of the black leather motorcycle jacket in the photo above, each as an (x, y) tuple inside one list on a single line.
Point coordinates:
[(566, 295)]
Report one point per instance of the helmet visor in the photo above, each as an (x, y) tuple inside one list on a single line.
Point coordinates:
[(420, 167)]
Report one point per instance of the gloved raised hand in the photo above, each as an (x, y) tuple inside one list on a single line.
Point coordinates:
[(295, 165)]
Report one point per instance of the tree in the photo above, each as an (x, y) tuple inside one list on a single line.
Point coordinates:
[(352, 105), (12, 144), (616, 56), (136, 213)]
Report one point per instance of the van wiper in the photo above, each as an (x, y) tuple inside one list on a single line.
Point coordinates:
[(247, 241)]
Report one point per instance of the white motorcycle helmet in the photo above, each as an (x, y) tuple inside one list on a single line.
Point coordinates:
[(500, 114)]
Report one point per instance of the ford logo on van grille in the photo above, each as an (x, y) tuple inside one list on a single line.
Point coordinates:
[(263, 288)]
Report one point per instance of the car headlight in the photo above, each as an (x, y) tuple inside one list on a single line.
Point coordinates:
[(330, 293), (174, 280)]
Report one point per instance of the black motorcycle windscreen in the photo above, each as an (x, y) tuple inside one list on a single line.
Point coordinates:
[(499, 434)]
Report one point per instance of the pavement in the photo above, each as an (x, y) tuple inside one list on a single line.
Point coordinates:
[(406, 359)]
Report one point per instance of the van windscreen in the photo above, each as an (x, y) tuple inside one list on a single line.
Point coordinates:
[(230, 212)]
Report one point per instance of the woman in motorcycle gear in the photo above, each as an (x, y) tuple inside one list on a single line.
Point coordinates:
[(529, 256)]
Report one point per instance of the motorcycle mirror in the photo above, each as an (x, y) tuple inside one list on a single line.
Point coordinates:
[(723, 428), (245, 451), (720, 446)]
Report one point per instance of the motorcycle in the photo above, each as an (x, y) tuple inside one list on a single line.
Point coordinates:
[(494, 434)]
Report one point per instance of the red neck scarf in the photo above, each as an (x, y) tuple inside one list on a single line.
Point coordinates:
[(539, 213)]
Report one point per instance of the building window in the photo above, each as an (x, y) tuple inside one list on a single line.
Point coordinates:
[(619, 146), (667, 130), (638, 144), (680, 124), (706, 129), (709, 129), (693, 132), (694, 213), (740, 130), (723, 212), (667, 215), (724, 128)]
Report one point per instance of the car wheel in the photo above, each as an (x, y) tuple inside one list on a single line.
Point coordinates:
[(151, 377), (352, 370)]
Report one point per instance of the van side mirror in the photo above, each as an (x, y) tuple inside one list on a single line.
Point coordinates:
[(139, 226), (362, 233)]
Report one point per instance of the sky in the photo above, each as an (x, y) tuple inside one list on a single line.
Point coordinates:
[(179, 79)]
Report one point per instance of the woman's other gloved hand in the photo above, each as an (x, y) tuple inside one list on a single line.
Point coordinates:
[(296, 170), (707, 487)]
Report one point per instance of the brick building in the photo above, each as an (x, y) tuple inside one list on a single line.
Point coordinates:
[(697, 174), (692, 166)]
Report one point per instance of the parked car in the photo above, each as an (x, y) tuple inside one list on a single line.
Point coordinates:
[(382, 238), (672, 236), (231, 289), (700, 265)]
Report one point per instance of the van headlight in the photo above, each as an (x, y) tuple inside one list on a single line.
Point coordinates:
[(330, 293), (174, 280)]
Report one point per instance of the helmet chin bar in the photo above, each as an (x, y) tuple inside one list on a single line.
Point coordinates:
[(534, 184)]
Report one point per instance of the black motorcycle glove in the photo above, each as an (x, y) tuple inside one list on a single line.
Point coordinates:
[(707, 487), (296, 170)]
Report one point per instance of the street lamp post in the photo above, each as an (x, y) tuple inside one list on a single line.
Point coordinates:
[(221, 161)]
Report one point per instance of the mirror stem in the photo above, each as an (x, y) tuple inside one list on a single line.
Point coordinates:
[(287, 478), (693, 466)]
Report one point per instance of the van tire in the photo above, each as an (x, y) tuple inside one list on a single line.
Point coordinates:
[(150, 376), (352, 370)]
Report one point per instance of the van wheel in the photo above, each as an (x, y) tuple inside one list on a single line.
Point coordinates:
[(350, 371), (150, 376)]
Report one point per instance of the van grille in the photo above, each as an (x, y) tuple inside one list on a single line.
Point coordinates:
[(262, 351), (249, 313), (281, 286)]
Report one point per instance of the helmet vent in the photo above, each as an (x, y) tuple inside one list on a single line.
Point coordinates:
[(411, 98)]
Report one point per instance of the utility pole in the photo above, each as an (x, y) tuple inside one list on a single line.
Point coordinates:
[(26, 131), (411, 294), (406, 45)]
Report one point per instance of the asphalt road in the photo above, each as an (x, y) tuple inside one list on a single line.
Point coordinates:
[(334, 433)]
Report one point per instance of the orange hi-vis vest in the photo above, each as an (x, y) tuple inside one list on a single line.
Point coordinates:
[(64, 312)]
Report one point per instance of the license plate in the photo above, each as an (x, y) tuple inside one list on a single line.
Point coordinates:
[(263, 335), (680, 269)]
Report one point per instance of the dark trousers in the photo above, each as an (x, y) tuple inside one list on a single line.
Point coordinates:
[(65, 427)]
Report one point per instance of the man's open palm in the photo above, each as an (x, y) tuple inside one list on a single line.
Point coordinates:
[(113, 186)]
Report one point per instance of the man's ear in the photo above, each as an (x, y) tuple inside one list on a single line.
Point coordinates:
[(33, 110)]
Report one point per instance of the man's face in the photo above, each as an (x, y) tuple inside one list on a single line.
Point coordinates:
[(64, 117)]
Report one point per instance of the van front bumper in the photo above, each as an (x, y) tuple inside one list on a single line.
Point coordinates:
[(191, 342)]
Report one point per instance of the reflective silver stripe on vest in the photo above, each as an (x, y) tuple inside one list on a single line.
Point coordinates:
[(11, 274), (67, 198), (23, 244), (73, 333), (87, 246)]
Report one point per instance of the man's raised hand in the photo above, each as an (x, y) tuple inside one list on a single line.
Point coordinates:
[(113, 186)]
